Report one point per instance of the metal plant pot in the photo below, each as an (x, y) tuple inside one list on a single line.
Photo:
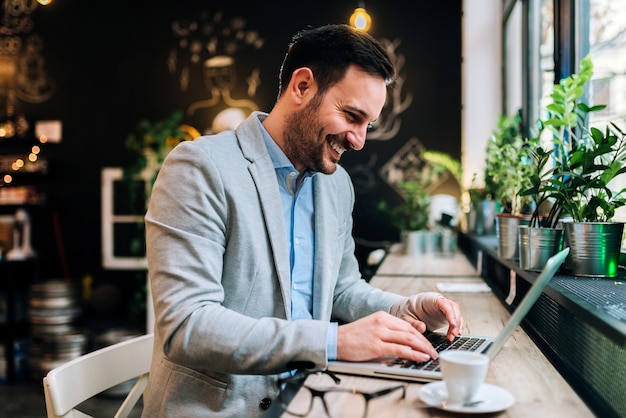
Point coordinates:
[(506, 231), (594, 247), (537, 245), (416, 243)]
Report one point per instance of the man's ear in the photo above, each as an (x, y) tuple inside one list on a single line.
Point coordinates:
[(302, 85)]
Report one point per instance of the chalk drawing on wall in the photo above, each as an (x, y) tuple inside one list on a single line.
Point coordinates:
[(212, 43), (388, 124), (364, 175)]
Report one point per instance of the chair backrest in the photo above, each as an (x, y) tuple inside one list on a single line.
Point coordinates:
[(72, 383)]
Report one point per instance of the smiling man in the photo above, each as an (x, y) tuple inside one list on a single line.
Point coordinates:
[(250, 250)]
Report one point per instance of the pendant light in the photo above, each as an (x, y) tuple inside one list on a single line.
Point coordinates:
[(360, 19)]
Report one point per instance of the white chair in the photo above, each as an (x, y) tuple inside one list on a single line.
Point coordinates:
[(69, 385)]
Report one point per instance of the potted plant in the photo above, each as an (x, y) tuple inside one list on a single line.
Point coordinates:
[(537, 241), (567, 115), (412, 216), (595, 239), (507, 166), (584, 162), (507, 172), (479, 209)]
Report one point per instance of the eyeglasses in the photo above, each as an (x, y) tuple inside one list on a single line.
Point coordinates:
[(338, 402)]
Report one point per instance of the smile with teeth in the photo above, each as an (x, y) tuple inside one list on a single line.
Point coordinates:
[(340, 150)]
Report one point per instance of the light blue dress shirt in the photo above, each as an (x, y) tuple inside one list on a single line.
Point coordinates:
[(297, 203)]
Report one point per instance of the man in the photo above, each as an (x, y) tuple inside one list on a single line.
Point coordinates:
[(250, 254)]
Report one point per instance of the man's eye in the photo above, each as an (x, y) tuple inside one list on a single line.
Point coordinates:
[(352, 118)]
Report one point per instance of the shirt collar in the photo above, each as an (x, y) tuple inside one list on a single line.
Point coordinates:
[(278, 157)]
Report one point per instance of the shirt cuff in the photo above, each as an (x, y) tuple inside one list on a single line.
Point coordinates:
[(331, 342)]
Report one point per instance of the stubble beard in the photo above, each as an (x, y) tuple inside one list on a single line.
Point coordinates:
[(304, 141)]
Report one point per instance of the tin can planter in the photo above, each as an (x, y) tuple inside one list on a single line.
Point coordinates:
[(488, 216), (482, 217), (412, 242), (594, 247), (420, 242), (507, 231), (537, 245)]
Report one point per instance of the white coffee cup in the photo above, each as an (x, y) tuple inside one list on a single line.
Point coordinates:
[(463, 373)]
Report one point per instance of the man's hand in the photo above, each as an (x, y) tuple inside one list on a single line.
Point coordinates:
[(382, 334), (452, 312), (433, 309)]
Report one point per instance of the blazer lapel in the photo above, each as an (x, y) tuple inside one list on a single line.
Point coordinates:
[(325, 247), (262, 171)]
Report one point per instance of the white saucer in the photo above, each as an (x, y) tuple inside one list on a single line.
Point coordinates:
[(494, 398)]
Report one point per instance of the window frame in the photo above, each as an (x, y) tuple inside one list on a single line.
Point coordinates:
[(109, 176)]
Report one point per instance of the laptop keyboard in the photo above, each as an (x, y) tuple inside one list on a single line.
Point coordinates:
[(440, 343)]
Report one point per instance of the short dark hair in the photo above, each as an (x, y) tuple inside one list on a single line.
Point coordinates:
[(329, 50)]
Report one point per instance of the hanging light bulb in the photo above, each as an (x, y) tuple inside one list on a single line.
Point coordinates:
[(360, 19)]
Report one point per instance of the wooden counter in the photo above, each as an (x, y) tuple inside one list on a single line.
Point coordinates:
[(430, 265), (520, 367)]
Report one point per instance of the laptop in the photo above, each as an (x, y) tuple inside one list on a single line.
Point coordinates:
[(402, 369)]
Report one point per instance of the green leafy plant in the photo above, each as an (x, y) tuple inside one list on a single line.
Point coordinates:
[(150, 142), (442, 160), (508, 166), (413, 213), (583, 161), (582, 181), (476, 194), (148, 145), (539, 190)]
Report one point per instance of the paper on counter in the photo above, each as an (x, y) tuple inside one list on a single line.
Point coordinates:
[(463, 287)]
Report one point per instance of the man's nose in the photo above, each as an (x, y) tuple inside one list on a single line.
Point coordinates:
[(357, 142)]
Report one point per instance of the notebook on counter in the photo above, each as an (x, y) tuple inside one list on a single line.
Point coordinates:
[(402, 369)]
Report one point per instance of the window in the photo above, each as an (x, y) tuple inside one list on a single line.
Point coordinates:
[(546, 52), (123, 236), (513, 48), (601, 33), (551, 37)]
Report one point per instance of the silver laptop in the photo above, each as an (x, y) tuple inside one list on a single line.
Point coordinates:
[(398, 368)]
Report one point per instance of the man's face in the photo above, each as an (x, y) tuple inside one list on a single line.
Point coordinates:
[(318, 134)]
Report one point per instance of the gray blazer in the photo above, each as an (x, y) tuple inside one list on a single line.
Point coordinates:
[(218, 263)]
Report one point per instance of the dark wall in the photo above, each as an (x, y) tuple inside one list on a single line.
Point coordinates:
[(109, 62)]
